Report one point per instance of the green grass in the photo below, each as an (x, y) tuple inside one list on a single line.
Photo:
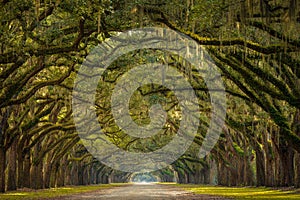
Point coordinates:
[(53, 192), (242, 192)]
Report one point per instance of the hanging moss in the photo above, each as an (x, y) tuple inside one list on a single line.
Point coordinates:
[(238, 149)]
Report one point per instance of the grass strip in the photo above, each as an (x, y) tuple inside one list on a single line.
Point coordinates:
[(243, 192), (54, 192)]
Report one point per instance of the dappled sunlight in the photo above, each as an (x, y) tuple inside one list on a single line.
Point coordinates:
[(64, 188), (144, 183), (15, 194)]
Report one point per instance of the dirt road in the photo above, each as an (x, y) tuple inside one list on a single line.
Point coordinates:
[(140, 192)]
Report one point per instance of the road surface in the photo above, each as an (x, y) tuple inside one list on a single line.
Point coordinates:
[(140, 192)]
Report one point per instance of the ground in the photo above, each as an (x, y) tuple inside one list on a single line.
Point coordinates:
[(140, 192), (125, 191)]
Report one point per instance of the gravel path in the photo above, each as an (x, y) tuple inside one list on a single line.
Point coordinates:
[(140, 192)]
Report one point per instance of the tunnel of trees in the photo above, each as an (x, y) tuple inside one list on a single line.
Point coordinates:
[(254, 43)]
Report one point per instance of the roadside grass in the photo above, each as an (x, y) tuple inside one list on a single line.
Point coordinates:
[(243, 192), (54, 192)]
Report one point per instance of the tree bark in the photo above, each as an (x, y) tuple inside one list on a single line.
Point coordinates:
[(206, 174), (260, 166), (68, 174), (74, 173), (12, 169), (104, 179), (296, 128), (20, 169), (286, 155), (37, 169), (297, 170), (62, 173), (54, 175), (47, 175), (182, 177), (26, 171), (80, 174), (2, 168), (269, 160), (222, 173)]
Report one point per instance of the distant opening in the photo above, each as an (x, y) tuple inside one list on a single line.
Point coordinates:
[(144, 178)]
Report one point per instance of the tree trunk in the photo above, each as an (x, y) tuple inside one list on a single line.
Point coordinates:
[(269, 160), (54, 175), (260, 166), (68, 179), (286, 155), (74, 174), (37, 176), (297, 170), (40, 176), (2, 168), (47, 175), (20, 169), (37, 169), (80, 174), (197, 175), (296, 128), (222, 173), (206, 174), (93, 175), (248, 174), (62, 172), (104, 179), (12, 169), (3, 127), (98, 177), (190, 177), (26, 171), (233, 176), (240, 169), (86, 177), (181, 177)]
